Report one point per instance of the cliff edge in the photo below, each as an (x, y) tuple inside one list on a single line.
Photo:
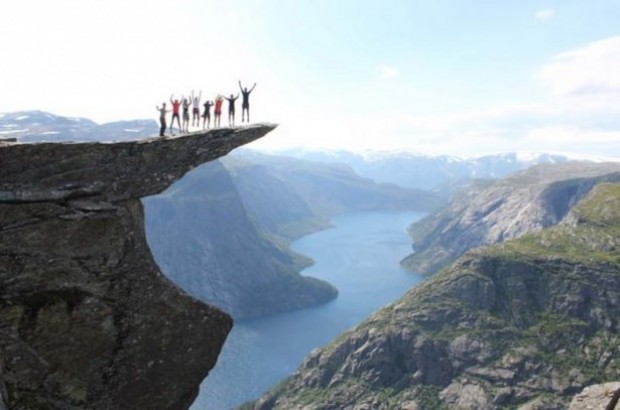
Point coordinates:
[(86, 318)]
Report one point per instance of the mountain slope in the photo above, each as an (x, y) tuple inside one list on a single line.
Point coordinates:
[(291, 197), (529, 322), (486, 214), (202, 239)]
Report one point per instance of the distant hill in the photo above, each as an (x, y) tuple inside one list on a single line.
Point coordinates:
[(442, 174), (291, 197), (526, 324), (39, 126)]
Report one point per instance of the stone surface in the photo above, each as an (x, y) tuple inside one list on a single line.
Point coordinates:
[(595, 397), (87, 321)]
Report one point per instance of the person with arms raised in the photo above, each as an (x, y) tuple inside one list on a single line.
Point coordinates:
[(245, 102)]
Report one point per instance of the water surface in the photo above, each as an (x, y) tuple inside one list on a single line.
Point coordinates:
[(360, 256)]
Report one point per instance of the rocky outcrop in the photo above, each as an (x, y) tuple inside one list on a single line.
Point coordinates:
[(87, 321), (599, 396), (526, 324), (483, 215)]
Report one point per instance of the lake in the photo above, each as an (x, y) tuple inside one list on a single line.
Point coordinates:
[(360, 256)]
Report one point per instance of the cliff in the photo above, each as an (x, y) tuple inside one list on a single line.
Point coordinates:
[(526, 324), (87, 321), (527, 201)]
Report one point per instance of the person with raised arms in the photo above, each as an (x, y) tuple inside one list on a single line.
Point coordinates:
[(218, 110), (196, 108), (231, 109), (245, 102), (206, 116), (176, 105), (186, 104)]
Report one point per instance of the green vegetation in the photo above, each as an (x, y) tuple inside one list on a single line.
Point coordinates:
[(590, 234)]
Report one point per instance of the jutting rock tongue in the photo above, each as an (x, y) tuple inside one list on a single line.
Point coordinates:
[(86, 318)]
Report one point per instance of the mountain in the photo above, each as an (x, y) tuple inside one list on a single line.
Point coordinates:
[(87, 320), (39, 126), (222, 233), (433, 173), (290, 197), (202, 238), (488, 213), (525, 324)]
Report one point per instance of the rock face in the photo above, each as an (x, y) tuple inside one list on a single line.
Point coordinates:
[(87, 321), (526, 324), (596, 397), (525, 202)]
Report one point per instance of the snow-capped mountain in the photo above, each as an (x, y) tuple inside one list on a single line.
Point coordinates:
[(439, 172), (39, 126)]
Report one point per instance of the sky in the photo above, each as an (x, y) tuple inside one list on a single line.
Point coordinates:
[(457, 77)]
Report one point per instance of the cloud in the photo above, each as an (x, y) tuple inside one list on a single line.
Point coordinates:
[(589, 70), (580, 113), (386, 71), (544, 15)]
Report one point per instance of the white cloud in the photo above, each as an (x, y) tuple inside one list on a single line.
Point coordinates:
[(544, 15), (386, 71), (592, 69), (579, 114)]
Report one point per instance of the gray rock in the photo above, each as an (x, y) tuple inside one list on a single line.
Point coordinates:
[(87, 321), (594, 397)]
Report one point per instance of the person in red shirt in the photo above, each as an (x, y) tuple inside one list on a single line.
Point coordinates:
[(218, 110), (176, 106)]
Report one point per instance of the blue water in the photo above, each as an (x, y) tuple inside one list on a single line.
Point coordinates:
[(360, 256)]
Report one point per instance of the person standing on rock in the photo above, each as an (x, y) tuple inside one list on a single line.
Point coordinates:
[(176, 105), (231, 109), (206, 116), (245, 103), (196, 108), (186, 104), (218, 110), (162, 119)]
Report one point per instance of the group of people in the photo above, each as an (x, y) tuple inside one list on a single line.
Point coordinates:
[(193, 101)]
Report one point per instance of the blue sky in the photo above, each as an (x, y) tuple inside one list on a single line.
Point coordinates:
[(434, 76)]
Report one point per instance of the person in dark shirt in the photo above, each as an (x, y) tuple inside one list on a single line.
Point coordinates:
[(206, 116), (231, 109), (245, 103), (162, 119)]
